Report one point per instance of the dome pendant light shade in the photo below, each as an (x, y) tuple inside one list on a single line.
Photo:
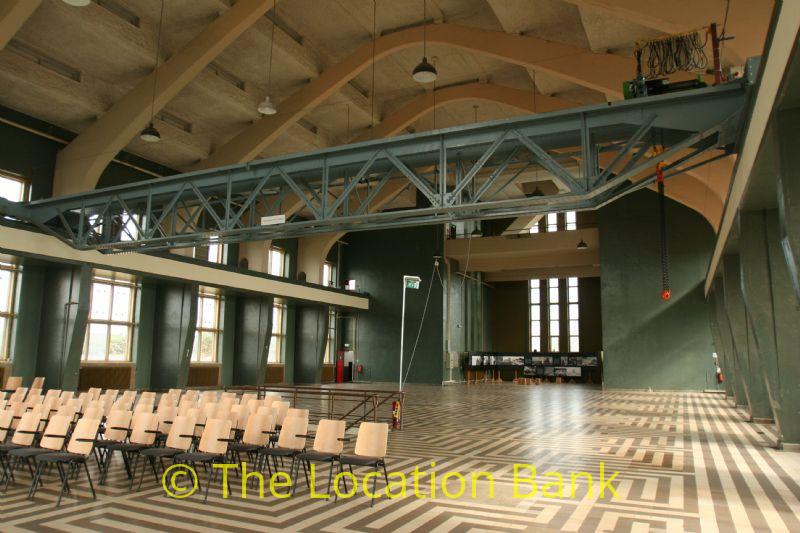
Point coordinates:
[(150, 134), (78, 3), (424, 72), (267, 107), (582, 245)]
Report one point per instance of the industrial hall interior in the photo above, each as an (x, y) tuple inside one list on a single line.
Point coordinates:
[(399, 265)]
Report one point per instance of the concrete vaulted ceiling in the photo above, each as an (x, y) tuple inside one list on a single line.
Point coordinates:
[(578, 49)]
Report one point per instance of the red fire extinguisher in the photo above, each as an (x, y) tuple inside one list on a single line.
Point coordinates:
[(396, 414), (720, 377)]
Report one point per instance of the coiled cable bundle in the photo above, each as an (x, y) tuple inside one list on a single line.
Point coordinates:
[(668, 55)]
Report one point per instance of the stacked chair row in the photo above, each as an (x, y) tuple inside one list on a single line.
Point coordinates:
[(60, 431)]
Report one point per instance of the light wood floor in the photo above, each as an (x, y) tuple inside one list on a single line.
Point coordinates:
[(686, 462)]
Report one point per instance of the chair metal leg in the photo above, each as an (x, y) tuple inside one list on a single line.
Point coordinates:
[(330, 479), (89, 477), (35, 482), (374, 480), (63, 477), (106, 466)]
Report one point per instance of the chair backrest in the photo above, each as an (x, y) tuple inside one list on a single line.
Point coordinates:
[(94, 393), (50, 404), (33, 398), (52, 393), (18, 395), (143, 407), (94, 413), (372, 439), (5, 423), (118, 419), (257, 424), (17, 410), (55, 433), (227, 395), (191, 394), (215, 430), (167, 400), (208, 396), (68, 409), (3, 403), (293, 412), (247, 396), (66, 396), (280, 409), (147, 397), (252, 405), (329, 435), (28, 424), (166, 414), (182, 425), (291, 428), (239, 415), (185, 407), (228, 401), (38, 383), (82, 440), (109, 395), (13, 383), (143, 426), (130, 395), (269, 401), (209, 408)]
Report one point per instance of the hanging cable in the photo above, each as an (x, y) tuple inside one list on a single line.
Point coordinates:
[(374, 40), (666, 291), (668, 55), (155, 72)]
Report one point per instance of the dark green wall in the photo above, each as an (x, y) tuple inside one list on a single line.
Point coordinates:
[(648, 342), (509, 316), (377, 260)]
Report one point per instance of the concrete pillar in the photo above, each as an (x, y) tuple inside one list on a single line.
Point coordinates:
[(730, 365), (252, 335), (774, 311), (788, 182), (173, 335), (719, 346), (748, 360), (311, 334)]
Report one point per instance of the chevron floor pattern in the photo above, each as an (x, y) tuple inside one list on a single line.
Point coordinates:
[(686, 462)]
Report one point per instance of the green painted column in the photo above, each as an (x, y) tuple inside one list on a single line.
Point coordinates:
[(731, 367), (176, 320), (788, 182), (251, 336), (757, 291), (749, 362), (25, 340), (311, 333), (786, 311), (723, 353), (143, 338), (227, 343)]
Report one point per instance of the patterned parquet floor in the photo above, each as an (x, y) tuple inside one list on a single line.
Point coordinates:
[(685, 462)]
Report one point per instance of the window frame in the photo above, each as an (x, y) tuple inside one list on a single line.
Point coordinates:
[(26, 185), (200, 329), (114, 280), (11, 314), (574, 341), (277, 336), (282, 253)]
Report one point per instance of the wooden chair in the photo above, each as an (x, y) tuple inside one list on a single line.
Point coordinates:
[(25, 435), (13, 383), (256, 435), (5, 431), (94, 393), (141, 435), (116, 432), (18, 395), (38, 383), (69, 462), (328, 446), (212, 449), (280, 409), (52, 440), (292, 412), (179, 440), (166, 414), (371, 443), (291, 441)]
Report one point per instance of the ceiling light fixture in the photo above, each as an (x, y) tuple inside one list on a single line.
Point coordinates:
[(267, 107), (78, 3), (150, 133), (537, 192), (424, 72), (582, 245)]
